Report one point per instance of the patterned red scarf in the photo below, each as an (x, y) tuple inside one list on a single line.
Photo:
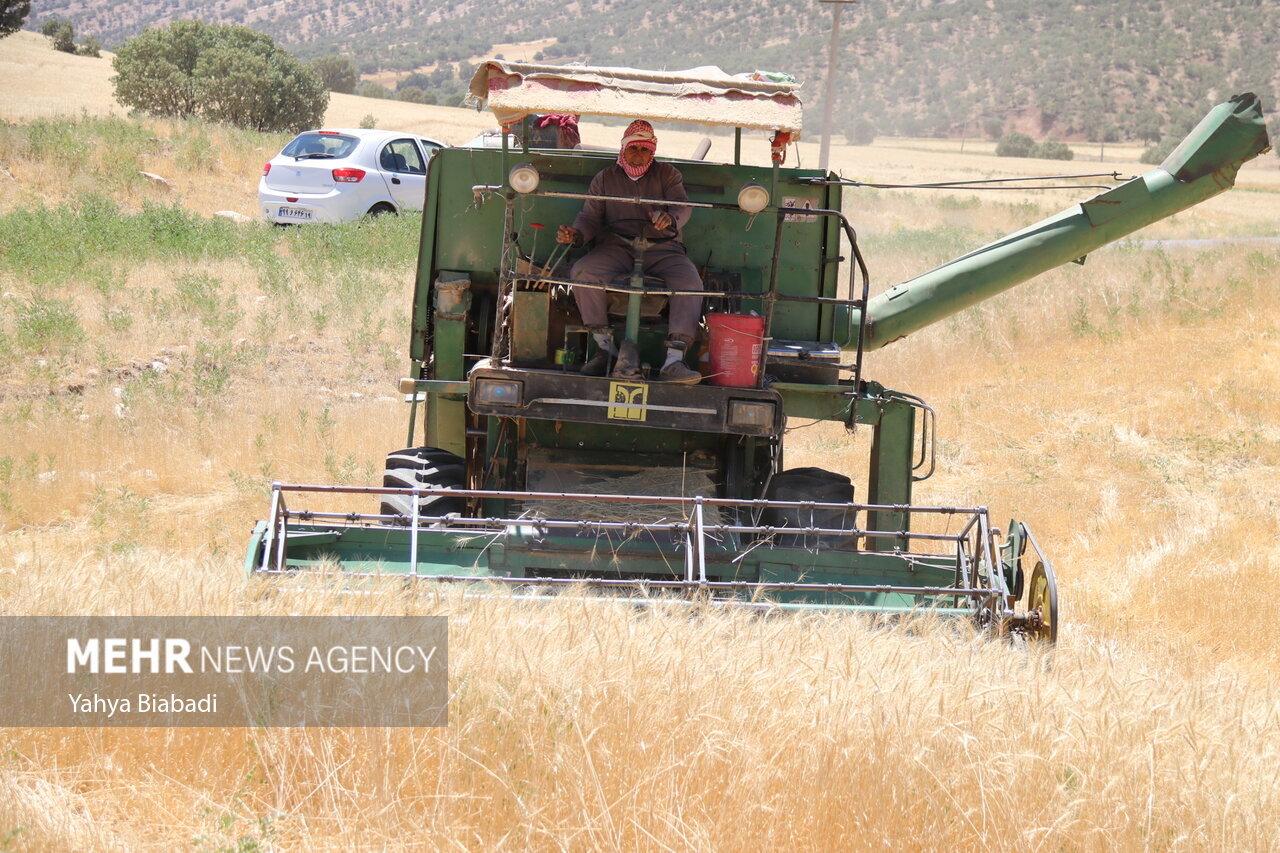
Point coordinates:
[(639, 132)]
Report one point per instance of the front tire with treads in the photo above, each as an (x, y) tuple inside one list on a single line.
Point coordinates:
[(426, 468), (811, 484)]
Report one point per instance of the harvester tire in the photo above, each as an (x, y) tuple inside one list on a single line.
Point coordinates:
[(820, 486), (428, 468)]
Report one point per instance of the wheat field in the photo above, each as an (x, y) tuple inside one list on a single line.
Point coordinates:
[(151, 390)]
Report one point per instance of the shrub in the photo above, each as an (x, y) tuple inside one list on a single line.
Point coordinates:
[(1051, 150), (1155, 155), (861, 132), (338, 73), (90, 47), (47, 325), (414, 95), (370, 89), (416, 80), (368, 122), (1147, 125), (1015, 145), (61, 33), (221, 73), (12, 14)]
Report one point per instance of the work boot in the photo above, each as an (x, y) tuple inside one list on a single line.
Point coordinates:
[(597, 365), (681, 373), (675, 370), (628, 364)]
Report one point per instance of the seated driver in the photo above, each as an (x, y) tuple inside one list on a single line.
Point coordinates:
[(609, 223)]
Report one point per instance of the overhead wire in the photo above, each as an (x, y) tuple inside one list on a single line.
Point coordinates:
[(978, 184)]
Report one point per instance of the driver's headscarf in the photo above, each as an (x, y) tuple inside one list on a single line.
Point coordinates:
[(639, 132)]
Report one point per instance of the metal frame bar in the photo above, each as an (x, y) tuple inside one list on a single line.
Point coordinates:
[(770, 294), (973, 539), (928, 434)]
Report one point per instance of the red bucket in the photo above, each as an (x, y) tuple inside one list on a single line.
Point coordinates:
[(736, 343)]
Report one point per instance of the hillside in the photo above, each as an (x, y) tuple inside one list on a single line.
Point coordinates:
[(1129, 69), (161, 366)]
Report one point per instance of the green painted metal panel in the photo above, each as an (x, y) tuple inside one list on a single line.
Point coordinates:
[(467, 236), (446, 418), (532, 553), (529, 317), (889, 480), (422, 304)]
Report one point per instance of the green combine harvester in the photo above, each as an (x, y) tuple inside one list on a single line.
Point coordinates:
[(518, 470)]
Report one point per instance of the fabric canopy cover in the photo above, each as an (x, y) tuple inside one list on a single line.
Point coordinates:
[(705, 95)]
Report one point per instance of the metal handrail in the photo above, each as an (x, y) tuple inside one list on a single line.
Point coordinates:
[(450, 522), (508, 274), (928, 434), (586, 496)]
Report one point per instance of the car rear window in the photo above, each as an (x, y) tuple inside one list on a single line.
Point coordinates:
[(320, 145)]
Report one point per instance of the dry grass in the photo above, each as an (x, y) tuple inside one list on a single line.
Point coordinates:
[(579, 725), (1126, 409), (40, 82)]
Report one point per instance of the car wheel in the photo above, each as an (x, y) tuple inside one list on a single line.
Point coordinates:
[(380, 208)]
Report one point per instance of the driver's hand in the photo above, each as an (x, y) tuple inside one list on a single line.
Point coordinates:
[(566, 234), (661, 220)]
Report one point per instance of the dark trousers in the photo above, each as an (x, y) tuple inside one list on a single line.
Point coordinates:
[(612, 262)]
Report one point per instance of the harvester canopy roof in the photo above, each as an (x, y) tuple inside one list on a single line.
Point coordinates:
[(703, 95)]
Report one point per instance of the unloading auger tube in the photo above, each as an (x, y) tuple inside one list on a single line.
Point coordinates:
[(1203, 165)]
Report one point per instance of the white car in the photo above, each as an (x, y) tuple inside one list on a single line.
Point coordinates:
[(344, 174)]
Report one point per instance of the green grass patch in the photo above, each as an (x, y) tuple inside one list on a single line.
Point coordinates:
[(931, 246), (96, 240)]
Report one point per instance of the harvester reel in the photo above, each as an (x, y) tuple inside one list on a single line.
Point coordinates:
[(427, 468), (1042, 604)]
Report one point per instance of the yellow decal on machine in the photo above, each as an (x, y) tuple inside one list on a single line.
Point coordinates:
[(627, 400)]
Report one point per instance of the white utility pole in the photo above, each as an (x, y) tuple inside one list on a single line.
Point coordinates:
[(828, 96)]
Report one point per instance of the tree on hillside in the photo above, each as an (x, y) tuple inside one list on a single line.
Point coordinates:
[(415, 80), (370, 89), (1156, 154), (90, 47), (414, 95), (12, 14), (337, 72), (1147, 125), (1015, 145), (222, 73), (860, 132), (61, 33), (1051, 150)]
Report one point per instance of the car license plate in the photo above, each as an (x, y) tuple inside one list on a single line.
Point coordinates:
[(293, 213)]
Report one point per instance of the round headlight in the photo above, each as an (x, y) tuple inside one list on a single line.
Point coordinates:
[(753, 198), (524, 178)]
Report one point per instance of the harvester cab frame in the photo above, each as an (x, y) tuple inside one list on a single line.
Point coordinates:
[(520, 471)]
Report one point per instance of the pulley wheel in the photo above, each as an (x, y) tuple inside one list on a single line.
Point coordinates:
[(1042, 595)]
